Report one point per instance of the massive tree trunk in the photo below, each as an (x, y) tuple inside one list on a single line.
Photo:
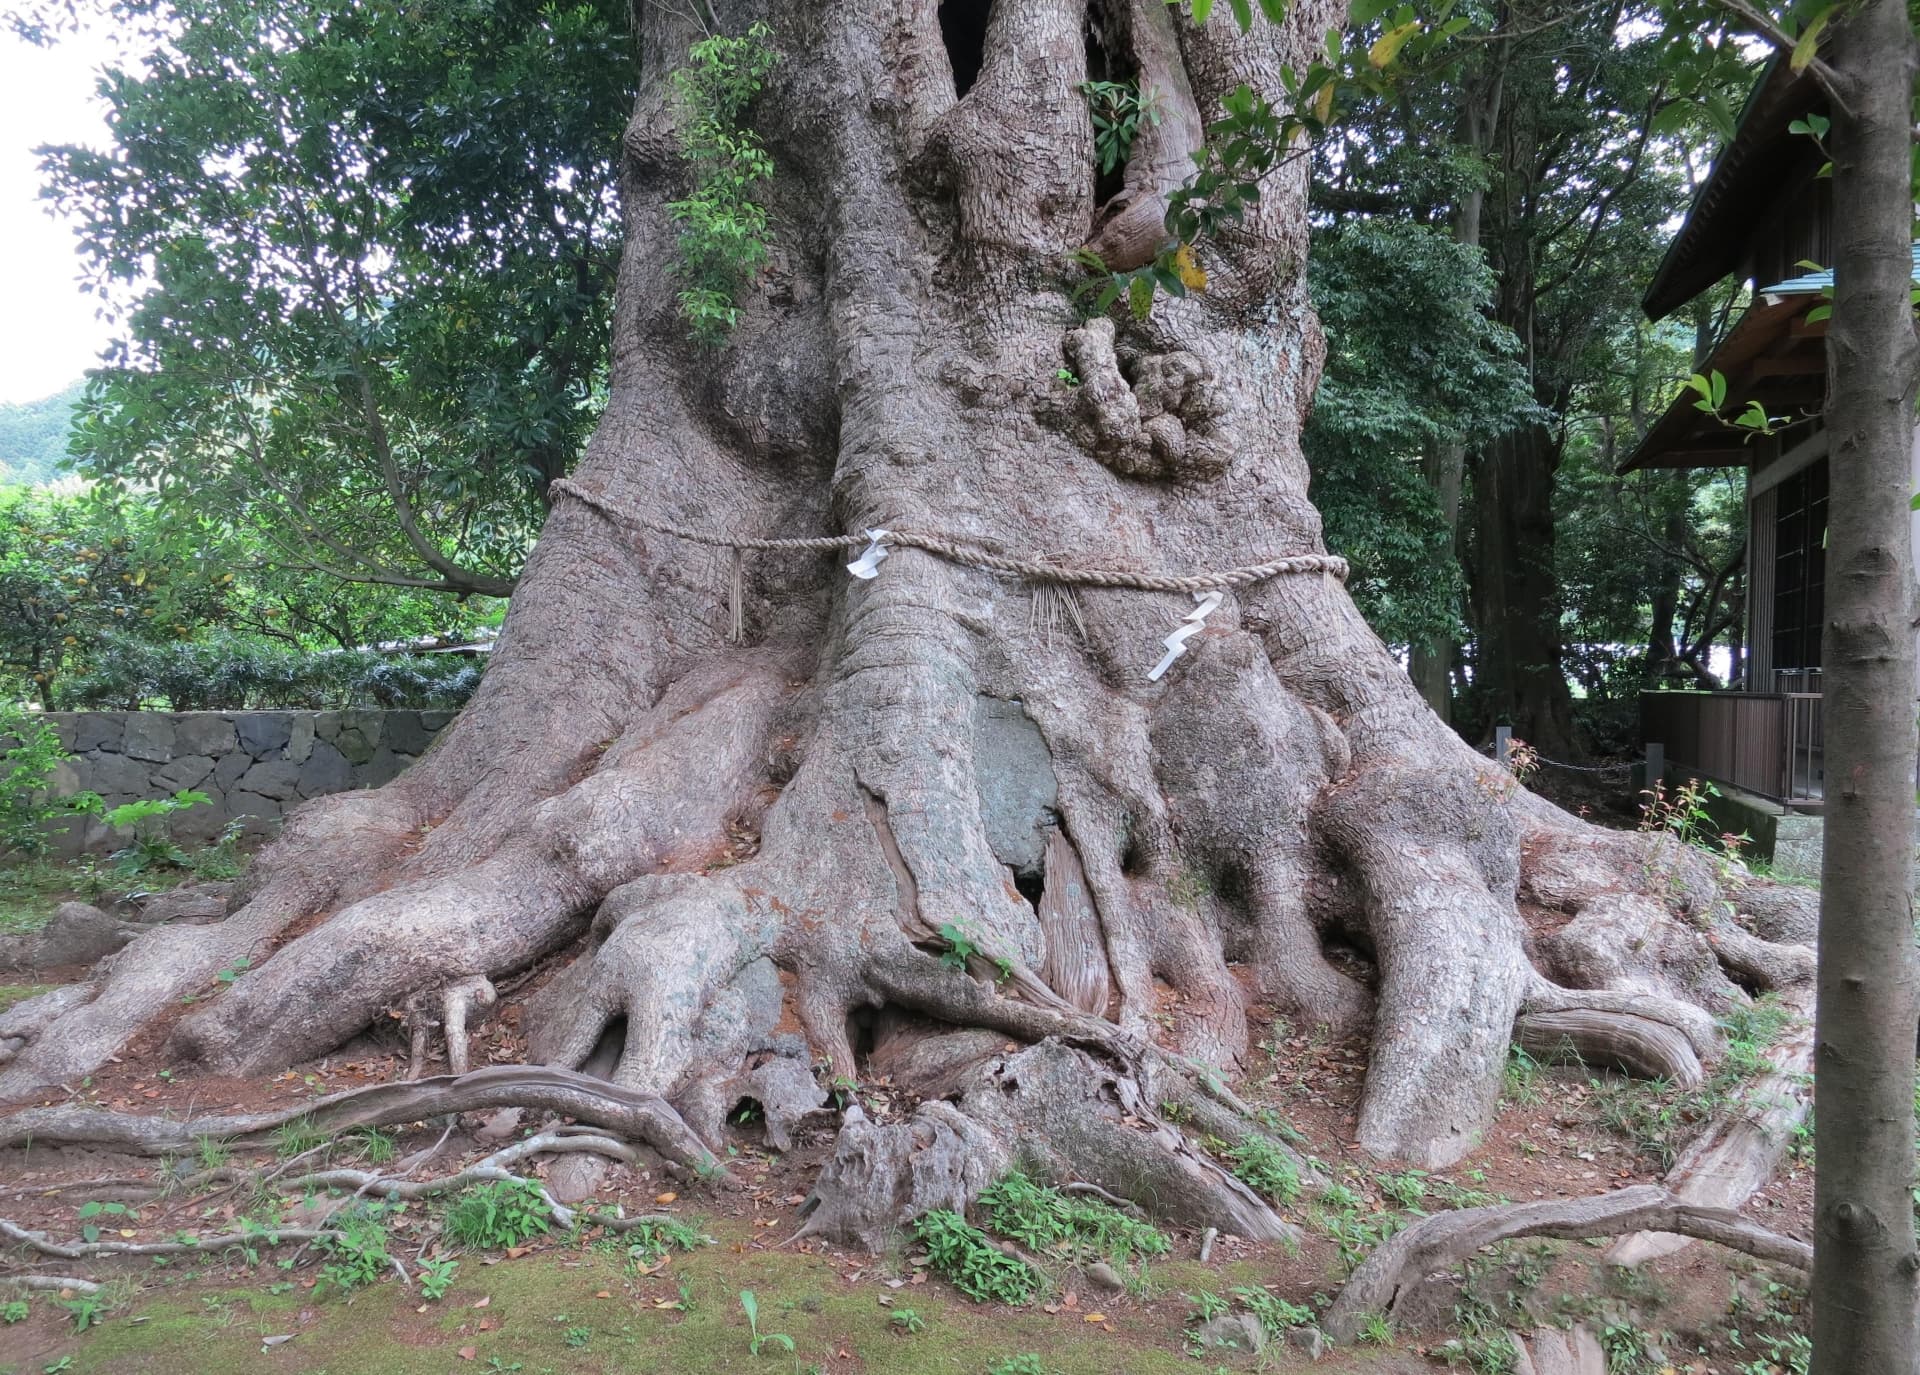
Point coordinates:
[(937, 760)]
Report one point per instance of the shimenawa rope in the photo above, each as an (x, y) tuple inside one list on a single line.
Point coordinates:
[(975, 557)]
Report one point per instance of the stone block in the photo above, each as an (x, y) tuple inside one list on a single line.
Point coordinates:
[(274, 778), (300, 738), (433, 722), (384, 767), (203, 732), (263, 733), (97, 730), (406, 733), (188, 771), (326, 770), (227, 770), (358, 736), (149, 736), (254, 810), (115, 774), (198, 825)]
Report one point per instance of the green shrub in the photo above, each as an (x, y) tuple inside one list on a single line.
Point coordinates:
[(229, 672), (499, 1214), (29, 812)]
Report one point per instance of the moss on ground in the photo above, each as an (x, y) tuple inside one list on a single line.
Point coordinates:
[(565, 1310), (19, 993)]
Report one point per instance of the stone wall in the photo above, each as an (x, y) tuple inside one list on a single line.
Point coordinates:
[(255, 765)]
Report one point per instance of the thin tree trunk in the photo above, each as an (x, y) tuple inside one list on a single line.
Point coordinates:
[(1516, 591), (1864, 1260), (1431, 662)]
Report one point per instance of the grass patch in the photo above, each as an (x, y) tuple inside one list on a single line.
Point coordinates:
[(30, 890)]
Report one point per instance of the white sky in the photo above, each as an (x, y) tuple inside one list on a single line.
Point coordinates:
[(49, 335)]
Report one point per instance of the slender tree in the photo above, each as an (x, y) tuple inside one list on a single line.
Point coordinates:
[(1864, 1291)]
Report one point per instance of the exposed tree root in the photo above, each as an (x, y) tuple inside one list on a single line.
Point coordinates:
[(1443, 1240), (56, 1283), (1737, 1153), (625, 1112)]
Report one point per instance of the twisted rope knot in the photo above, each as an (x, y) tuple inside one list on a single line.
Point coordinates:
[(972, 556)]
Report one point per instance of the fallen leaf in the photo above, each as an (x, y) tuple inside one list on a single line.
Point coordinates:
[(668, 1197), (280, 1340), (1093, 1317), (1069, 1300), (515, 1252), (467, 1353), (1049, 1308), (488, 1324), (482, 1303), (421, 1309), (919, 1277), (604, 1294), (666, 1303)]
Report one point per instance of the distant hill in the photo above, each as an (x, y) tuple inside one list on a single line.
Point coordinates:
[(33, 436)]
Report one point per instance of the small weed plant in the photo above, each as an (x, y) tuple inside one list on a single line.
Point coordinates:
[(971, 1262), (1266, 1167), (497, 1214), (436, 1277), (1026, 1363), (30, 814), (1120, 109), (92, 1213), (356, 1250), (1274, 1314), (756, 1338), (13, 1311)]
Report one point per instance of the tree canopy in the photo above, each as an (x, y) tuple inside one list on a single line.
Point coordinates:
[(362, 257)]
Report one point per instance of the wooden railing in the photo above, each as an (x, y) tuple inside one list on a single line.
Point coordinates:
[(1768, 743)]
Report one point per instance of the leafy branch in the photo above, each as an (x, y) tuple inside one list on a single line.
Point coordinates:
[(723, 224)]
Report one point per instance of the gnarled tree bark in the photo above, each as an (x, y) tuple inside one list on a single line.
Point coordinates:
[(1120, 864)]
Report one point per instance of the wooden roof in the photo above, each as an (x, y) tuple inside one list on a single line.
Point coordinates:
[(1746, 181), (1773, 356)]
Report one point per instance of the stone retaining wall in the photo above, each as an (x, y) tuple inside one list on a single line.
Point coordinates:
[(255, 765)]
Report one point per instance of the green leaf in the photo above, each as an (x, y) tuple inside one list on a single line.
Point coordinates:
[(1819, 313), (1809, 40), (1388, 45), (1201, 9), (1242, 13), (1140, 296), (1719, 113), (1274, 10)]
